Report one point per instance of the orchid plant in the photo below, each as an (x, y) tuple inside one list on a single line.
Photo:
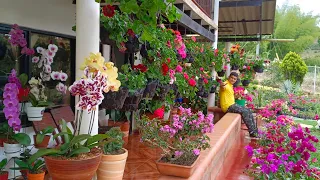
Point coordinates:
[(182, 139)]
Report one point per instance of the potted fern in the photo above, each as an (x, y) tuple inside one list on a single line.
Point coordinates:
[(114, 157)]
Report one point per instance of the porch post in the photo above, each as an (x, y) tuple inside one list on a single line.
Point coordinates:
[(228, 48), (87, 40), (211, 98)]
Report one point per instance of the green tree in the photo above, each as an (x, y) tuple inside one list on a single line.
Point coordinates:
[(293, 67)]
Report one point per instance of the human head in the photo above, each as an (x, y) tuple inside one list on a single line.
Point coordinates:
[(233, 77)]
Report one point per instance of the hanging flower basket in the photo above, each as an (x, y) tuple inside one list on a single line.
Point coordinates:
[(151, 88), (245, 82), (104, 36), (115, 100), (35, 113), (221, 73), (132, 101), (144, 50), (133, 44), (258, 69), (164, 90), (234, 67)]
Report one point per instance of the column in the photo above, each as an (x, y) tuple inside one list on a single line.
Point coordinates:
[(258, 49), (228, 48), (87, 40), (211, 98)]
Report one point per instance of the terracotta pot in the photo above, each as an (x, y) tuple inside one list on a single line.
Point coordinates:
[(125, 130), (24, 172), (112, 166), (43, 144), (4, 175), (176, 170), (149, 115), (3, 139), (36, 176), (72, 169)]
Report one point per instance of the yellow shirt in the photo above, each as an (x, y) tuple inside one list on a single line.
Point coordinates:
[(226, 96)]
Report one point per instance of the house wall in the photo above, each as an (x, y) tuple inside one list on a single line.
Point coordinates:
[(49, 15)]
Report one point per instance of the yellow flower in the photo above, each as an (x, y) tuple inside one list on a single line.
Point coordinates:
[(113, 86), (94, 62), (110, 71)]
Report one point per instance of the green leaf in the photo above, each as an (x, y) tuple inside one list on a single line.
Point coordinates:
[(60, 134), (76, 140), (3, 163), (65, 129), (33, 100), (79, 151), (38, 165), (41, 153), (23, 79), (22, 138), (96, 138), (98, 1), (39, 138), (21, 164), (48, 130)]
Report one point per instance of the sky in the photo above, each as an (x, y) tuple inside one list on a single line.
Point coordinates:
[(305, 5)]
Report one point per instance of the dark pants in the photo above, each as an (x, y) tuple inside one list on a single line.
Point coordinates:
[(247, 117)]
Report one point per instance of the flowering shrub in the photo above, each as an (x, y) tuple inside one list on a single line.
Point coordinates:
[(179, 45), (238, 92), (283, 152), (183, 138)]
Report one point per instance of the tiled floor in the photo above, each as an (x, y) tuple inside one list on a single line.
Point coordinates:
[(141, 161)]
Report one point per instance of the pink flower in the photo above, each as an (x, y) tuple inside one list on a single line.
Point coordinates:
[(196, 152), (225, 67), (193, 38), (179, 68), (201, 69), (185, 75), (61, 88), (192, 82), (316, 117), (159, 113), (55, 75)]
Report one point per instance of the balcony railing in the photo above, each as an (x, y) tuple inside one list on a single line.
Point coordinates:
[(205, 6)]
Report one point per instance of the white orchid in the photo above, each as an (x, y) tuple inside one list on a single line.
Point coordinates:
[(53, 48), (63, 76), (35, 59)]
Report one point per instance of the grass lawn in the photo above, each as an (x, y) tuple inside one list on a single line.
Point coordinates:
[(315, 132)]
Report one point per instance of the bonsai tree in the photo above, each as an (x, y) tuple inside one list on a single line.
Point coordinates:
[(293, 67)]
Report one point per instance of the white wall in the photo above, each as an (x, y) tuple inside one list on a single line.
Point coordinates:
[(49, 15)]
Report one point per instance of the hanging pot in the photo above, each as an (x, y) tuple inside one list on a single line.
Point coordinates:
[(43, 144), (213, 89), (190, 58), (245, 82), (144, 50), (115, 100), (151, 88), (258, 69), (164, 90), (234, 67), (11, 148), (133, 44), (176, 170), (221, 73), (35, 113), (65, 169), (104, 36), (39, 176), (112, 166), (133, 99)]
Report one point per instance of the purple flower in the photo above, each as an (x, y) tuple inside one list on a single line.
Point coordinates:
[(271, 157), (285, 157), (249, 150), (273, 168), (196, 152), (11, 102), (178, 153)]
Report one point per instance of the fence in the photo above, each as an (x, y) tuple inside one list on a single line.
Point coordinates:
[(311, 82)]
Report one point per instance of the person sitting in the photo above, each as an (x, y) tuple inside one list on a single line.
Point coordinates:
[(227, 104)]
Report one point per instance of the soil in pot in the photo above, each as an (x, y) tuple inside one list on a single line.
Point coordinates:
[(112, 166), (258, 69), (39, 176), (43, 144), (82, 167), (4, 175), (2, 139), (245, 82), (221, 73), (234, 67)]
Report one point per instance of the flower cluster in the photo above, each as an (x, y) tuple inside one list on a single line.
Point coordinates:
[(238, 92), (11, 101), (37, 89), (179, 45), (283, 151), (185, 135), (17, 39)]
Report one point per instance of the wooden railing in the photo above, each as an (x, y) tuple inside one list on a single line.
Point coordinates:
[(205, 6)]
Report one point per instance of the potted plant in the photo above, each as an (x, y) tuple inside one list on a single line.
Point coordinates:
[(42, 138), (38, 100), (3, 174), (258, 65), (239, 95), (246, 75), (76, 158), (35, 171), (181, 140), (152, 108), (114, 157)]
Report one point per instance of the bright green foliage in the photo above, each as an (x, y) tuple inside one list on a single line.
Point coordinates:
[(114, 143), (293, 67)]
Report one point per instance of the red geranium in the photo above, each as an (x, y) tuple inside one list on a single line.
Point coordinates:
[(248, 67), (165, 69), (177, 33), (108, 11), (205, 80), (130, 33), (23, 94), (192, 82), (159, 113), (140, 67)]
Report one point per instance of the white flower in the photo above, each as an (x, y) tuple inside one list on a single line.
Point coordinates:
[(35, 59), (45, 76), (53, 48), (61, 88), (47, 68), (50, 54), (39, 50), (49, 60), (318, 124), (63, 76), (40, 62), (33, 81), (55, 75)]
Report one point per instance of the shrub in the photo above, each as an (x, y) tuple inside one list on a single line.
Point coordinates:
[(293, 67)]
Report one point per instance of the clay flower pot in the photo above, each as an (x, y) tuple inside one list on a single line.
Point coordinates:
[(2, 140), (43, 144), (176, 170), (82, 169), (125, 127), (4, 175), (35, 113), (112, 166), (39, 176)]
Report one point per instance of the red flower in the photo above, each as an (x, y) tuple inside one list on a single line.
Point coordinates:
[(177, 33), (130, 33), (216, 52), (248, 67), (205, 80), (108, 11), (169, 44), (185, 75), (192, 82), (165, 69), (169, 60), (159, 113), (23, 94), (140, 67)]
